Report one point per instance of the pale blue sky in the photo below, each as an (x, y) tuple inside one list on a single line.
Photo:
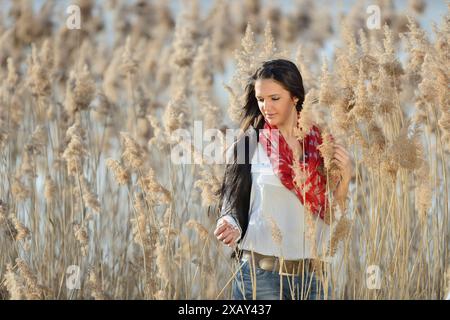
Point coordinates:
[(435, 10)]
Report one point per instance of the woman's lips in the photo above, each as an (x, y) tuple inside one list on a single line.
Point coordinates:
[(271, 115)]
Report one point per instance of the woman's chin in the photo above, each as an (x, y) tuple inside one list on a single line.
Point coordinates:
[(272, 121)]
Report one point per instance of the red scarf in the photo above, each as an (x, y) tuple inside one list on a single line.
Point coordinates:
[(314, 187)]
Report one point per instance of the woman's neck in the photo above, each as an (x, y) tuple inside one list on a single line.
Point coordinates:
[(287, 128)]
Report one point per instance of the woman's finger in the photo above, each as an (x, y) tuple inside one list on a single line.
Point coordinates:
[(225, 234), (233, 236), (220, 229), (222, 235), (341, 152), (341, 161), (338, 155), (229, 238), (341, 147), (340, 165)]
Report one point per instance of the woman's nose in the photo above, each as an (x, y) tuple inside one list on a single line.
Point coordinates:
[(266, 106)]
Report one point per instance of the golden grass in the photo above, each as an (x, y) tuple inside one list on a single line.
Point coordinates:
[(86, 126)]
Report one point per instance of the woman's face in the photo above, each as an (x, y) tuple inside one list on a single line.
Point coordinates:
[(274, 101)]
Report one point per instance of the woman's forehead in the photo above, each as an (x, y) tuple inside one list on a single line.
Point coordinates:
[(268, 87)]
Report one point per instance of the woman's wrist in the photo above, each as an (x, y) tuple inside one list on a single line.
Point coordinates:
[(342, 189), (345, 182)]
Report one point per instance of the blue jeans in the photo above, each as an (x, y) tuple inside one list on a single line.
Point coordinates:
[(268, 285)]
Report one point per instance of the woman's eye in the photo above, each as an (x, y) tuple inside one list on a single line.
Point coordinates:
[(262, 100)]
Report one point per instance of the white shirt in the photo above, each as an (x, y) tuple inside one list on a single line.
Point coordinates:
[(271, 203)]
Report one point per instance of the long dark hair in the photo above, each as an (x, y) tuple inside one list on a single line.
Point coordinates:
[(237, 179)]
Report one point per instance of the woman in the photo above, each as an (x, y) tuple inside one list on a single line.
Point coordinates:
[(262, 206)]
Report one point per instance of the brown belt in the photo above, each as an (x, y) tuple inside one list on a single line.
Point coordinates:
[(288, 267)]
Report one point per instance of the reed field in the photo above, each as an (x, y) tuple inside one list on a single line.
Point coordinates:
[(92, 203)]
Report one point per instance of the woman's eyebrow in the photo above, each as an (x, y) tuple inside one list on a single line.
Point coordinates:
[(270, 95)]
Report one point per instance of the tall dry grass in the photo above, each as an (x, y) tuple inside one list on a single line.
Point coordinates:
[(87, 122)]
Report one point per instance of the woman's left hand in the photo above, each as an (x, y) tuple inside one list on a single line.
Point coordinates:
[(344, 162)]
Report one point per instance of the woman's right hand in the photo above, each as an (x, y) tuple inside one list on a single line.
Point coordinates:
[(227, 233)]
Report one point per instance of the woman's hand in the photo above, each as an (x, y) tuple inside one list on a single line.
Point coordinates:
[(344, 162), (227, 233)]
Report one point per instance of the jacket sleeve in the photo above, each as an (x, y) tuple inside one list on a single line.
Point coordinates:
[(226, 212), (227, 215)]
